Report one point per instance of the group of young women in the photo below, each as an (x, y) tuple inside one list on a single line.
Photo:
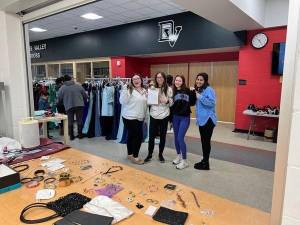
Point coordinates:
[(174, 101)]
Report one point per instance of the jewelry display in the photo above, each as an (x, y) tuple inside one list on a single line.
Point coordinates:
[(207, 212), (179, 198), (26, 180), (32, 184), (76, 179), (38, 178), (49, 185), (195, 198), (50, 180), (139, 206), (149, 200), (20, 168), (152, 188), (39, 173)]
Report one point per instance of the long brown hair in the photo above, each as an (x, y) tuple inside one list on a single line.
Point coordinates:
[(183, 86), (131, 86), (164, 87), (205, 85)]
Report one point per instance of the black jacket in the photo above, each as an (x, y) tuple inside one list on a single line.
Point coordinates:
[(183, 100)]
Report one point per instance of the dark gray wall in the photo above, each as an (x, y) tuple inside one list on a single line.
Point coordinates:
[(140, 38)]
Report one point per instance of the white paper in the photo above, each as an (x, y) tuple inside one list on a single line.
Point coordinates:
[(6, 171), (53, 162), (151, 210), (55, 167), (45, 194), (153, 96)]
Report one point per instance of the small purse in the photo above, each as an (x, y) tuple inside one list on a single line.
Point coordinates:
[(62, 207), (169, 216)]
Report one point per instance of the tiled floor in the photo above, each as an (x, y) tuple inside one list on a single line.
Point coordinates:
[(223, 133)]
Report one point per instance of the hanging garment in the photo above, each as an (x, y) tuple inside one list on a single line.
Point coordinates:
[(89, 115), (108, 101), (117, 113), (97, 116), (91, 131)]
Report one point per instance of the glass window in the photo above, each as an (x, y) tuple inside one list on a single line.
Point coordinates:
[(101, 69), (53, 70), (83, 71), (38, 71), (66, 69)]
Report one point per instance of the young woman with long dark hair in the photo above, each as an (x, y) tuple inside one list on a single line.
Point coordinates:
[(159, 115), (183, 98), (206, 117), (134, 102)]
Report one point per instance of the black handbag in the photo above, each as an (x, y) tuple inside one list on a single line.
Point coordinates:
[(80, 217), (169, 216), (62, 207)]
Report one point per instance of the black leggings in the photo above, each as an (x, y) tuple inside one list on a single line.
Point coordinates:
[(156, 126), (135, 136), (206, 132)]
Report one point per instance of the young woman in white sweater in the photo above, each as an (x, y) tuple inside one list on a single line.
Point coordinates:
[(134, 105), (159, 116)]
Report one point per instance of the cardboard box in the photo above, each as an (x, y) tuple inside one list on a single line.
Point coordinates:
[(9, 179)]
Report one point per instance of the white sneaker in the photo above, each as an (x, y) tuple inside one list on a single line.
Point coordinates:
[(183, 164), (177, 160)]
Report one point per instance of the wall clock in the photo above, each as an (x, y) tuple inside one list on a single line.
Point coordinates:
[(259, 40)]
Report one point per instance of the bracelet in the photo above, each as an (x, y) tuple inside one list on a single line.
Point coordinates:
[(64, 175), (64, 182), (39, 173), (38, 178), (25, 180), (50, 180), (23, 168), (49, 185), (32, 184), (149, 200)]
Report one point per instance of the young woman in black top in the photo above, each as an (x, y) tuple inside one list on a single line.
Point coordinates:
[(184, 98)]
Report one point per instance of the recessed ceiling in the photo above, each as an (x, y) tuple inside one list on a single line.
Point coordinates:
[(114, 12)]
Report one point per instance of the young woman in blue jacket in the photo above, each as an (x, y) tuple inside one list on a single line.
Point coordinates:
[(206, 116)]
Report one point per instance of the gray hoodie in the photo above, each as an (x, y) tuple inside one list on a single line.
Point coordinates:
[(72, 95)]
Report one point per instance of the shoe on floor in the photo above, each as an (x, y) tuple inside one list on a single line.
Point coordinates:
[(199, 163), (202, 166), (137, 161), (72, 138), (161, 158), (183, 164), (130, 157), (177, 160), (148, 158)]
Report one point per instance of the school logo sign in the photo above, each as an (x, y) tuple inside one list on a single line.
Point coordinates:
[(168, 32)]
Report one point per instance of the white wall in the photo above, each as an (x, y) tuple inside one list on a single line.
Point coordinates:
[(13, 72), (276, 13), (286, 192), (253, 8)]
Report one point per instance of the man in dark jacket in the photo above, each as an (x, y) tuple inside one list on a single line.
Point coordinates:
[(73, 95)]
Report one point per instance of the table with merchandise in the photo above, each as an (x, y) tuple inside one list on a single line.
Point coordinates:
[(111, 192)]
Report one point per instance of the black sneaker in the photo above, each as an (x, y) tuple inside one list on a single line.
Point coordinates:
[(72, 137), (202, 166), (161, 158), (198, 163), (148, 158)]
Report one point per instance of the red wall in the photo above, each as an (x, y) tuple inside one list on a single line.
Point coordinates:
[(129, 66), (118, 70), (262, 87)]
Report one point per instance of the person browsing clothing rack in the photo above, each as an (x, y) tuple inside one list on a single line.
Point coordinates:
[(184, 98), (159, 116), (134, 102)]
